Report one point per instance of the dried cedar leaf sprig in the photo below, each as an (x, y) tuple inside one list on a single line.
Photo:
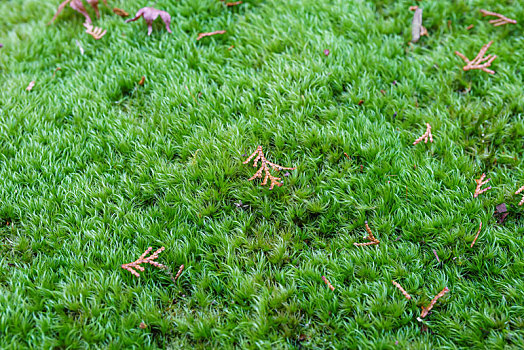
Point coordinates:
[(427, 135), (330, 286), (477, 235), (216, 32), (95, 32), (479, 62), (502, 20), (480, 182), (266, 165), (150, 14), (517, 192), (426, 310), (406, 295), (78, 6), (143, 260), (370, 237)]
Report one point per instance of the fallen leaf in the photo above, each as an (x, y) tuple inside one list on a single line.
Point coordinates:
[(361, 102), (470, 27), (150, 14), (501, 212), (142, 80), (78, 6), (120, 12), (416, 26), (30, 86), (203, 35)]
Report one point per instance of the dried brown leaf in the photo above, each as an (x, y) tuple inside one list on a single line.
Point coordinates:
[(150, 14), (416, 25)]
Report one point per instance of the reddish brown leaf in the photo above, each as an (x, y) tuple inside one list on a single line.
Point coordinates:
[(150, 14)]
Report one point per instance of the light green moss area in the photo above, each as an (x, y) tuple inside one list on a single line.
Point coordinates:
[(95, 169)]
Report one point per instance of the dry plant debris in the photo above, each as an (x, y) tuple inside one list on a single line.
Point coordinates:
[(479, 62), (216, 32), (143, 260), (477, 235), (480, 182), (265, 168), (230, 4), (150, 14), (142, 80), (436, 255), (95, 32), (179, 272), (406, 294), (501, 212), (78, 6), (417, 30), (427, 135), (79, 47), (518, 191), (426, 310), (370, 237), (502, 20), (120, 12), (328, 284), (142, 325), (30, 86)]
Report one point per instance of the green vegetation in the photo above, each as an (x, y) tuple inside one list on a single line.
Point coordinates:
[(96, 168)]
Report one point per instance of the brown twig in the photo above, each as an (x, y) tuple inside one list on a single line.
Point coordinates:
[(402, 290), (427, 135), (479, 62), (518, 191), (426, 310), (370, 237), (265, 168), (143, 260), (477, 235), (481, 183), (328, 284), (502, 20), (203, 35), (56, 70), (95, 32)]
